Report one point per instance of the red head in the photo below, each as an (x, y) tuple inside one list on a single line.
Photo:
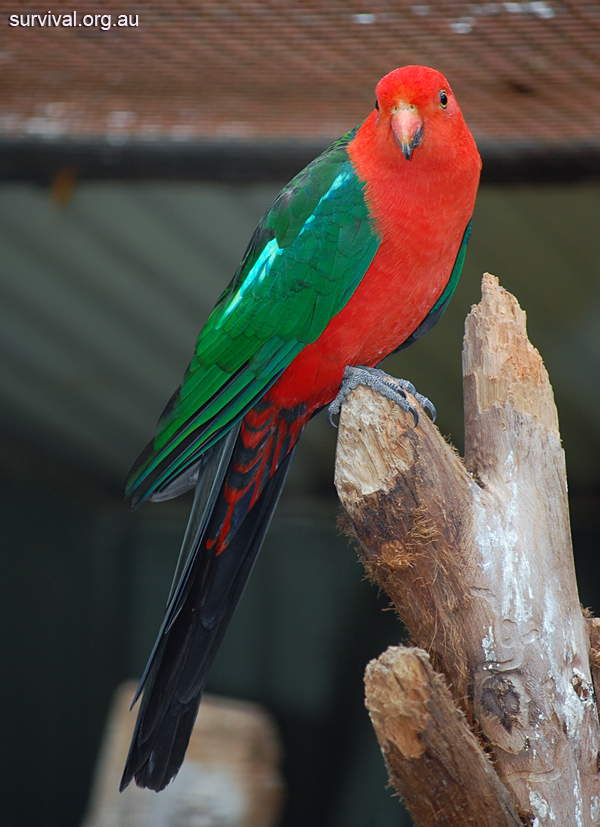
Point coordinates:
[(417, 113), (418, 160)]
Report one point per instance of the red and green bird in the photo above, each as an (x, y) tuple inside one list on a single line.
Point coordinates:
[(356, 257)]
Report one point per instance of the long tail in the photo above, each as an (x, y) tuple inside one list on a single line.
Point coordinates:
[(225, 532)]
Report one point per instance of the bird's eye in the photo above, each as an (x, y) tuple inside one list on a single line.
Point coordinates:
[(376, 104), (443, 99)]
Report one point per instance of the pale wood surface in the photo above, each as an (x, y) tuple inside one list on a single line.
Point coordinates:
[(533, 641), (231, 774), (478, 560)]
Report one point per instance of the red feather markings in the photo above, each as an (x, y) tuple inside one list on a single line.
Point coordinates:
[(266, 437)]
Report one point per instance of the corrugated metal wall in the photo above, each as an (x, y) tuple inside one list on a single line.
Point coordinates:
[(101, 298)]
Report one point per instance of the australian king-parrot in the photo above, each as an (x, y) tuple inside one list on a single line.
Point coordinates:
[(356, 257)]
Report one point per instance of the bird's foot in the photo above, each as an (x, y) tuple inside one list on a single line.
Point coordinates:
[(383, 383)]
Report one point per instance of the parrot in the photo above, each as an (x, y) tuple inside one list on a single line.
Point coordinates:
[(356, 258)]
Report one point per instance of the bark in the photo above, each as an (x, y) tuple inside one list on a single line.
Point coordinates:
[(477, 559), (431, 754)]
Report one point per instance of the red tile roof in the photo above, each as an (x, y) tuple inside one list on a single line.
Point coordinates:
[(524, 72)]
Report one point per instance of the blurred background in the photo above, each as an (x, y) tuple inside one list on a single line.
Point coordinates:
[(134, 163)]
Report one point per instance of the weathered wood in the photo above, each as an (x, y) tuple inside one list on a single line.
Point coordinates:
[(430, 752), (479, 563), (404, 491), (526, 606), (230, 775), (593, 627)]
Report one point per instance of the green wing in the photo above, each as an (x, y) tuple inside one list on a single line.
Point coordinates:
[(304, 261)]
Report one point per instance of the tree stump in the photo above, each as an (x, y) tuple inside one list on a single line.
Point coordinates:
[(231, 775), (477, 559)]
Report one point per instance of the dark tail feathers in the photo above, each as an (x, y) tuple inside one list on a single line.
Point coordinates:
[(188, 644)]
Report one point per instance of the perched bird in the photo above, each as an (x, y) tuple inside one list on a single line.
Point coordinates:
[(356, 257)]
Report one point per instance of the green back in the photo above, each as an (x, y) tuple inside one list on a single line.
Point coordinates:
[(305, 259)]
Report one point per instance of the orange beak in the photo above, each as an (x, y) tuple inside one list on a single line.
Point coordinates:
[(407, 127)]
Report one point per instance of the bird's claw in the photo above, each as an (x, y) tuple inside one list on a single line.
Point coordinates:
[(388, 386)]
